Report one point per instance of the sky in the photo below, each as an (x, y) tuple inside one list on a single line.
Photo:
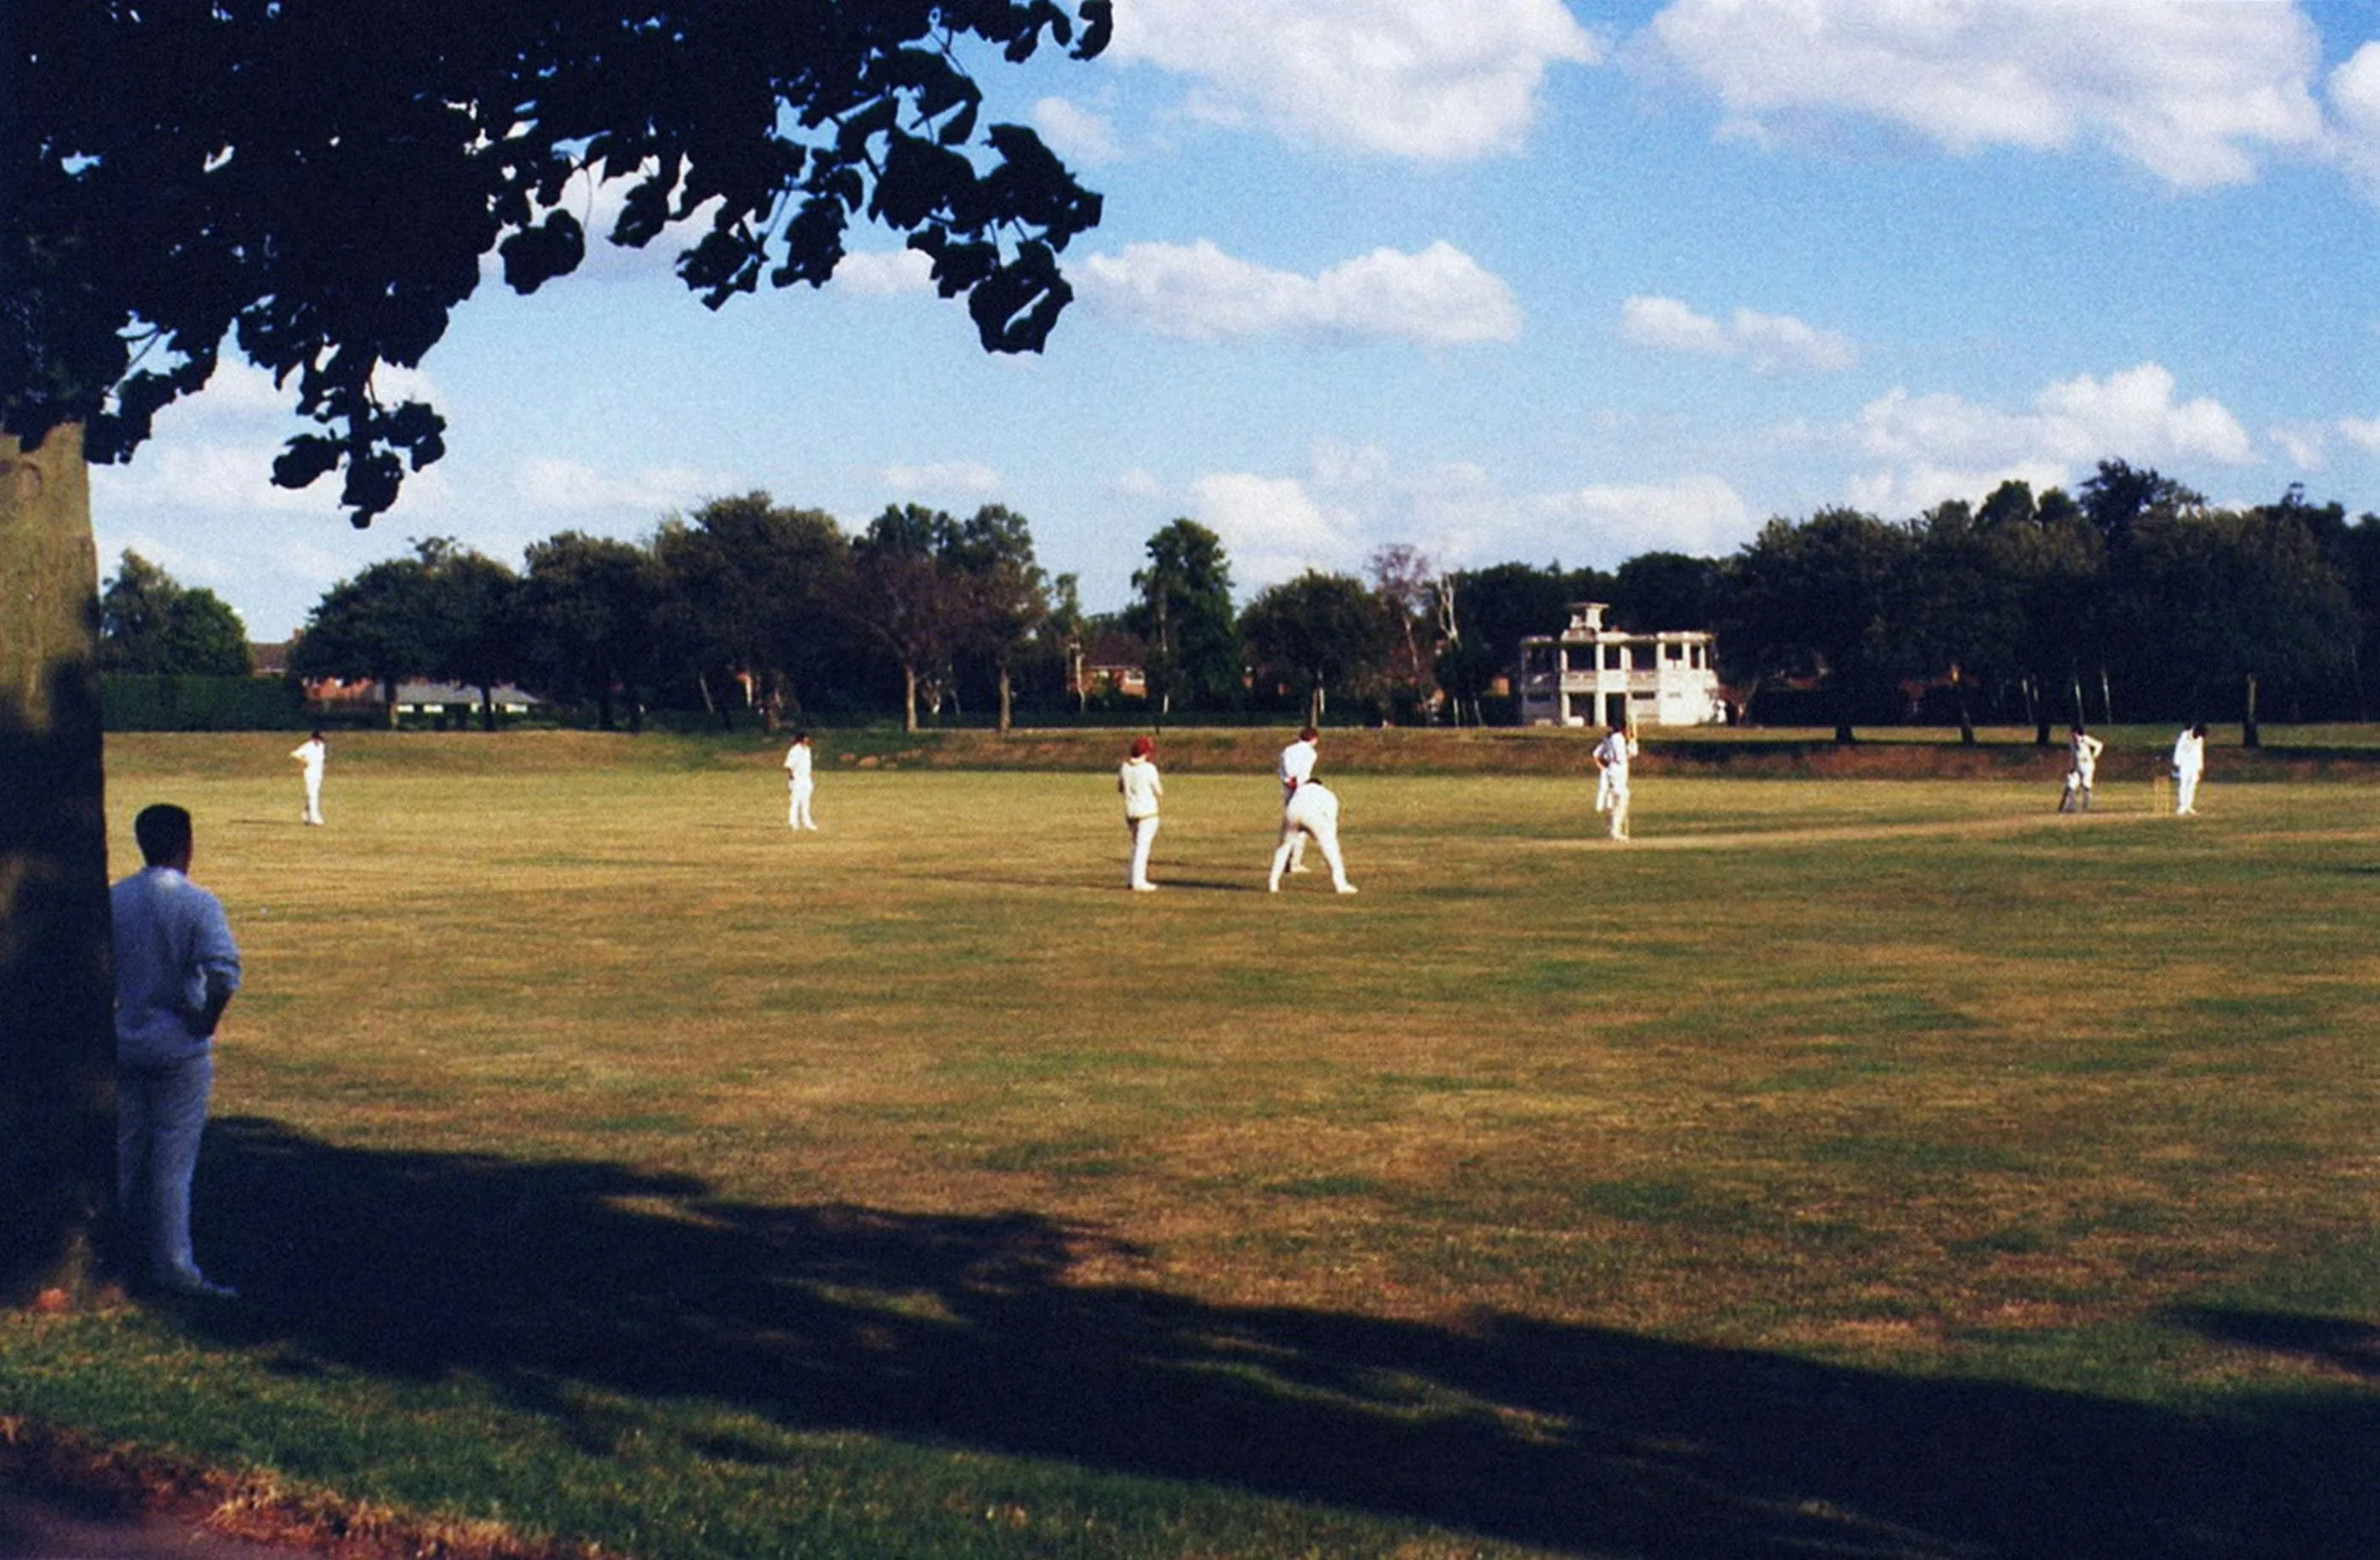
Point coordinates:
[(1500, 280)]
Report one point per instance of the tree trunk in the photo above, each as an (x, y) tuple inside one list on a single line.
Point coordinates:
[(487, 707), (2250, 734), (1007, 701), (388, 702), (57, 1042), (908, 698)]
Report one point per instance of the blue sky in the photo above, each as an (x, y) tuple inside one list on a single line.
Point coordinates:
[(1498, 279)]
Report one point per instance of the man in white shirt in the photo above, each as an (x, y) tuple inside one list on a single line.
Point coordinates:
[(311, 754), (2082, 768), (1312, 812), (798, 783), (1611, 756), (1296, 768), (176, 969), (1142, 787), (2189, 765)]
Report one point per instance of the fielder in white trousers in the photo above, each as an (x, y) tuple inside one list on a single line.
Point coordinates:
[(1312, 813), (311, 754), (2189, 765), (799, 783), (1142, 788)]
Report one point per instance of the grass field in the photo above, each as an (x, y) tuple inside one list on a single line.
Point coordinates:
[(1886, 1168)]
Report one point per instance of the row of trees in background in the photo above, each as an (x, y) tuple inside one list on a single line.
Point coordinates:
[(745, 604), (2129, 599)]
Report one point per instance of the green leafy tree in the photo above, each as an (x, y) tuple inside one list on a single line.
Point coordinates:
[(2221, 601), (474, 628), (1320, 636), (1008, 593), (754, 589), (149, 624), (1492, 610), (911, 599), (1664, 592), (1185, 616), (1825, 596), (587, 611), (380, 626)]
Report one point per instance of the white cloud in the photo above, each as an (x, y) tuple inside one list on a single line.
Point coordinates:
[(1432, 80), (1439, 298), (1941, 446), (883, 274), (550, 484), (2195, 93), (2363, 434), (2355, 108), (1135, 484), (969, 479), (1773, 344), (1614, 522), (2307, 445), (1354, 499), (1667, 325), (1076, 133)]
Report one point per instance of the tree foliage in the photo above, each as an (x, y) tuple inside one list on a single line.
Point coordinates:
[(150, 624), (317, 183), (1319, 637), (1184, 614)]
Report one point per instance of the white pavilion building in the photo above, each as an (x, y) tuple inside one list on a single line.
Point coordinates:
[(1590, 675)]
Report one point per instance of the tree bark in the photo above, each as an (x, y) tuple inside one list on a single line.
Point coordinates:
[(57, 1042), (2251, 734)]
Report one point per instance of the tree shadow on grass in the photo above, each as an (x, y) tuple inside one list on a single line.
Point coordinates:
[(963, 1331)]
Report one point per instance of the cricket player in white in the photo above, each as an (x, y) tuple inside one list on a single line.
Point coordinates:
[(1296, 769), (2083, 770), (798, 783), (1312, 810), (1611, 756), (311, 754), (1142, 786), (2189, 764)]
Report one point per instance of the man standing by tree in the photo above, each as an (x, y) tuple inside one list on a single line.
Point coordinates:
[(322, 185), (176, 969)]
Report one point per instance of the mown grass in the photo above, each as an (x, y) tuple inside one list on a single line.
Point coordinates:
[(1887, 1167)]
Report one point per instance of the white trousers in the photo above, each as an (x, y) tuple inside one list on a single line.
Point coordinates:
[(161, 1112), (1618, 804), (1144, 834), (1313, 813), (798, 811), (313, 813), (2185, 790)]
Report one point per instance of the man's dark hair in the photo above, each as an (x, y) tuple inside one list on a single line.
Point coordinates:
[(164, 831)]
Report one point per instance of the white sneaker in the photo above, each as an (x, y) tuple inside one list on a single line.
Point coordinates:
[(1344, 887)]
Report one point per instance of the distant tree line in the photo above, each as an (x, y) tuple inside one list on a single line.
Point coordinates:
[(2130, 599)]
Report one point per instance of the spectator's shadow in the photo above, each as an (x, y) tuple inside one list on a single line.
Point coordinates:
[(963, 1331)]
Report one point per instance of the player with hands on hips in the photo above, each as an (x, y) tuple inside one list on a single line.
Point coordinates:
[(1142, 787)]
